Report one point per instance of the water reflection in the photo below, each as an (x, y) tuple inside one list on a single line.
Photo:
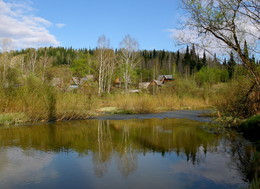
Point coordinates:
[(149, 153)]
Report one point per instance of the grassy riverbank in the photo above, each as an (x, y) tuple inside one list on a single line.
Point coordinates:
[(37, 101), (40, 102), (68, 106)]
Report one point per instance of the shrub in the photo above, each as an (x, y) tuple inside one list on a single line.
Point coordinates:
[(251, 127), (210, 76)]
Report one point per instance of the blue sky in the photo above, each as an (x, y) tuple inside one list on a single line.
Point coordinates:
[(79, 23)]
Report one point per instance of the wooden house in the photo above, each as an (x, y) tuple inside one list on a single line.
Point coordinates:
[(165, 78), (117, 82), (156, 83), (76, 82), (154, 86), (89, 78), (57, 82), (144, 85)]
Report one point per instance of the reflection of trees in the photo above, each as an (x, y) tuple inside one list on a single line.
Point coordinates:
[(104, 148), (127, 162), (125, 138), (245, 157)]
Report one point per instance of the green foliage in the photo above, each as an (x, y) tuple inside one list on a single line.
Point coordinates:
[(210, 76), (185, 87), (80, 67)]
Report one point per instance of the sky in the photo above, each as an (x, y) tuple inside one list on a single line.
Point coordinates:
[(79, 23)]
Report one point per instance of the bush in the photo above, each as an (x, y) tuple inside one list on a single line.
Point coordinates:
[(251, 127), (210, 76), (231, 100)]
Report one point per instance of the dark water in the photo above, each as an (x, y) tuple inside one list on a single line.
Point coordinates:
[(152, 153)]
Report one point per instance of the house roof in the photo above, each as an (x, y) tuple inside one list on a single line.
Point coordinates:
[(78, 80), (168, 77), (117, 80), (157, 82), (89, 77)]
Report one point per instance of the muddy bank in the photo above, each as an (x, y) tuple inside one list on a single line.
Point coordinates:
[(179, 114)]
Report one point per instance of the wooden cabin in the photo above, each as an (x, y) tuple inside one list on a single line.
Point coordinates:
[(154, 86), (57, 82), (144, 85), (165, 78), (117, 83)]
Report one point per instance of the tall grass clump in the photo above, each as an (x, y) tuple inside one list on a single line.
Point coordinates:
[(132, 103), (39, 101), (255, 184)]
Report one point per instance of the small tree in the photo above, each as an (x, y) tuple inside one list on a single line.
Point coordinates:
[(231, 65)]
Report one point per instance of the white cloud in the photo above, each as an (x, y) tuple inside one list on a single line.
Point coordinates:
[(60, 25), (189, 35), (24, 29)]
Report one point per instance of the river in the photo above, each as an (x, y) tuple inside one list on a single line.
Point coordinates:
[(123, 153)]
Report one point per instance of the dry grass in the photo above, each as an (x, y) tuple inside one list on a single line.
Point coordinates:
[(145, 103), (41, 102)]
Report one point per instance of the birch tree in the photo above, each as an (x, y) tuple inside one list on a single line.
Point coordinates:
[(5, 58), (105, 59), (32, 58), (45, 61), (128, 57)]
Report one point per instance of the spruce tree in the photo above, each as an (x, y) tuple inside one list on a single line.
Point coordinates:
[(204, 59), (186, 61), (193, 59), (225, 63), (253, 59), (246, 49), (231, 65), (178, 62)]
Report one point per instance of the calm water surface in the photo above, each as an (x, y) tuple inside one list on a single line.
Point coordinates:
[(152, 153)]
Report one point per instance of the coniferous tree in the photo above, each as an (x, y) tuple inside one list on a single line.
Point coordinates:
[(204, 59), (231, 65), (225, 63), (193, 59), (246, 50), (186, 61), (178, 62), (253, 59)]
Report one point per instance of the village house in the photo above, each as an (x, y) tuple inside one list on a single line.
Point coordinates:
[(117, 83), (165, 78), (73, 83), (144, 85), (57, 82)]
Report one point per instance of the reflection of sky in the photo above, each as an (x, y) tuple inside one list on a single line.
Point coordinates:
[(34, 169), (19, 168)]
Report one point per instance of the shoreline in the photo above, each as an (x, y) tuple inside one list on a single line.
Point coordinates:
[(196, 115)]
